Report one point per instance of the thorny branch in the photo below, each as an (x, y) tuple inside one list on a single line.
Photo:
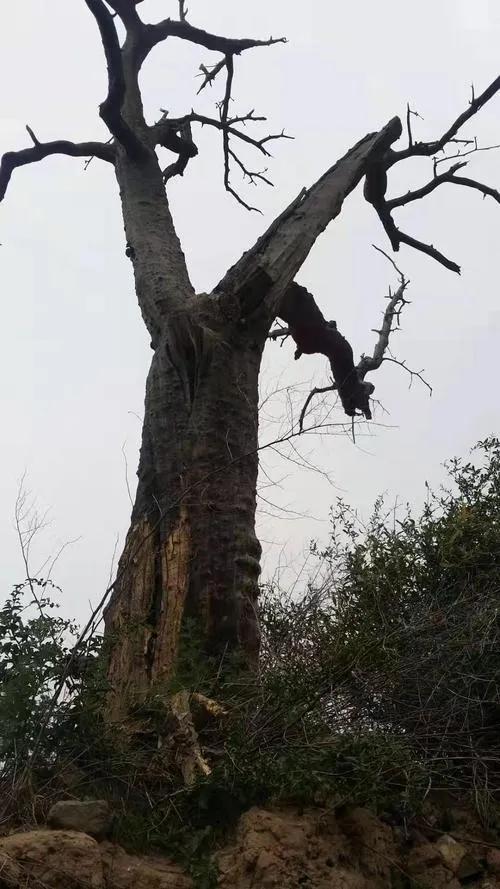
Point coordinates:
[(376, 177)]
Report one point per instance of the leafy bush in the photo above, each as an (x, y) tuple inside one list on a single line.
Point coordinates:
[(34, 645), (402, 636)]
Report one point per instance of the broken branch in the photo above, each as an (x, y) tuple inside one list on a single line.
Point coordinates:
[(301, 304), (313, 335)]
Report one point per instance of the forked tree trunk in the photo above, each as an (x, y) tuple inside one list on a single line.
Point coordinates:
[(191, 551)]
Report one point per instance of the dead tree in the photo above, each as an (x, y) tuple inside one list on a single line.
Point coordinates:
[(191, 553)]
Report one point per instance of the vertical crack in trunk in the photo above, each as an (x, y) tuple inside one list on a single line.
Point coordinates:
[(196, 499)]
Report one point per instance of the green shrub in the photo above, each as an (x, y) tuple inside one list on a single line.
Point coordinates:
[(380, 682), (34, 645)]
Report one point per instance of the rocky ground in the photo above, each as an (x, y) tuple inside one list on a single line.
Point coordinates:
[(349, 848)]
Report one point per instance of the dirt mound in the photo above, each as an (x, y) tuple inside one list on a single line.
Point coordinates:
[(287, 848), (351, 849)]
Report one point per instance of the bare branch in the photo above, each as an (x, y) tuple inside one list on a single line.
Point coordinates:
[(408, 125), (110, 109), (182, 10), (376, 177), (425, 190), (210, 74), (413, 373), (427, 149), (392, 314), (409, 114), (160, 130), (471, 183), (397, 302), (449, 176), (248, 174), (228, 153), (476, 148), (318, 390), (165, 132), (227, 46), (13, 159), (374, 192), (249, 116), (279, 332), (181, 142), (429, 250)]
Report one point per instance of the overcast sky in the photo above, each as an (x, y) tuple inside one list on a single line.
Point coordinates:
[(74, 353)]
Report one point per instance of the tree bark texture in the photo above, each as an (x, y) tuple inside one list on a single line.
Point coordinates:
[(191, 554)]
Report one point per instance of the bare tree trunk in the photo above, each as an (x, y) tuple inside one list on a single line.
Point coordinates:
[(191, 551)]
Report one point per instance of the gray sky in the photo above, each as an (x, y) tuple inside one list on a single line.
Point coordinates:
[(74, 353)]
